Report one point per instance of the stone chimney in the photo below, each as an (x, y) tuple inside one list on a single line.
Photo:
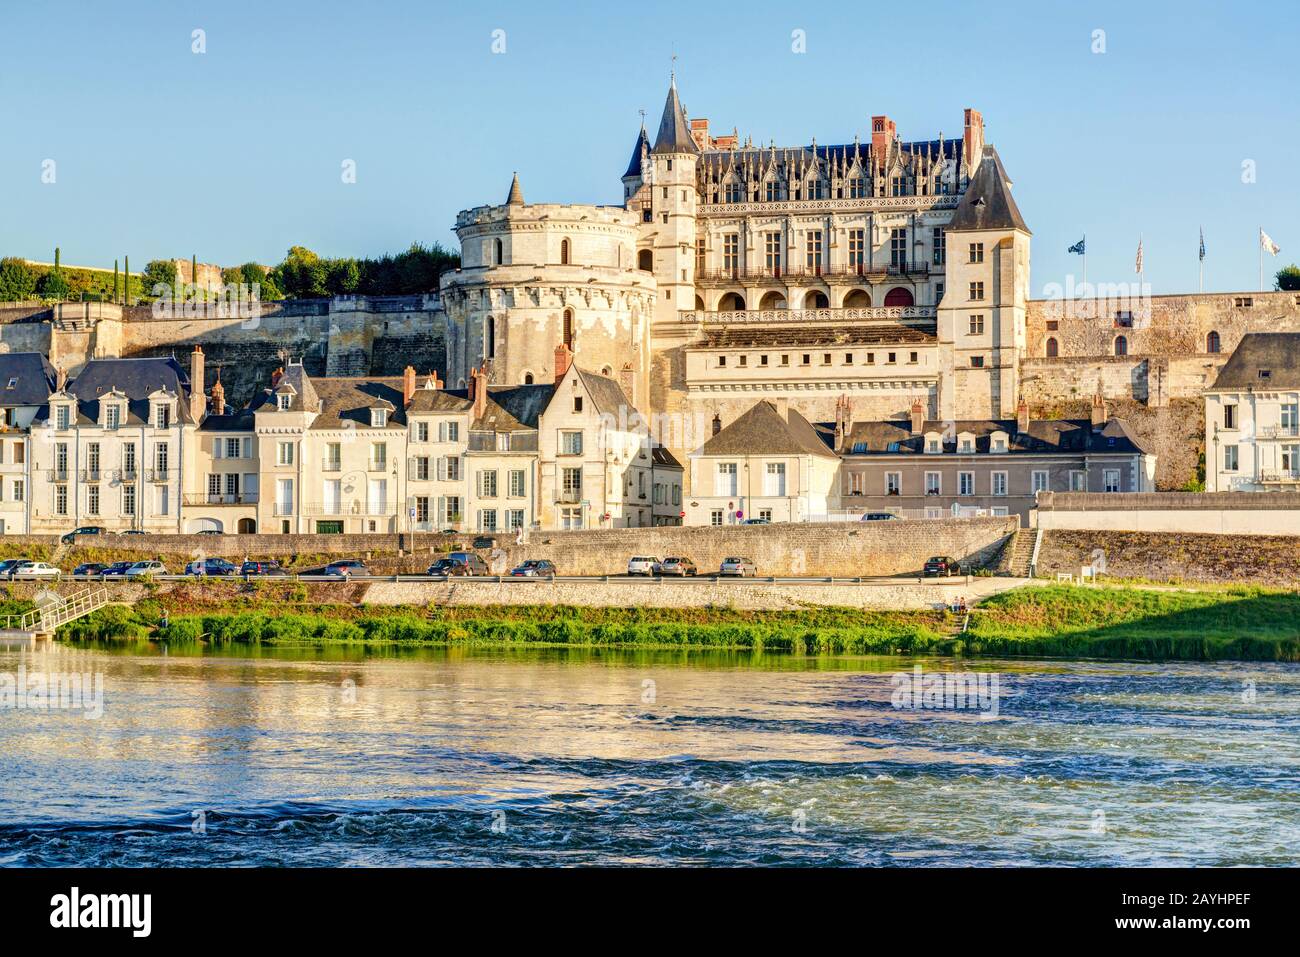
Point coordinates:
[(717, 423), (563, 358), (917, 417), (972, 138), (1099, 415), (198, 402), (218, 405), (408, 385), (1022, 416)]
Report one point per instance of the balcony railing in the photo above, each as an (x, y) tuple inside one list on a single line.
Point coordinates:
[(218, 498), (870, 313), (1278, 432), (340, 509)]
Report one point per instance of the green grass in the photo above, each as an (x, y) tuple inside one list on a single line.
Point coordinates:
[(1051, 621)]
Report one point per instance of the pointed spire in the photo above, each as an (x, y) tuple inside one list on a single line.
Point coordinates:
[(674, 132), (516, 197)]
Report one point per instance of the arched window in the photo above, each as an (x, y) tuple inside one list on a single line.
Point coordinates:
[(564, 252), (1212, 343), (490, 338), (645, 260), (1121, 346), (1053, 350), (568, 328), (498, 252)]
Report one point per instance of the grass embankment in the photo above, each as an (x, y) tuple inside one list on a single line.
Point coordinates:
[(1052, 621)]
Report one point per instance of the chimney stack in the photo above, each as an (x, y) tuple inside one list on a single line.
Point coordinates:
[(198, 402), (1098, 412), (478, 391), (1022, 416), (917, 416), (408, 385), (563, 358)]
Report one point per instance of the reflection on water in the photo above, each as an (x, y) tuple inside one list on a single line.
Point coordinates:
[(345, 756)]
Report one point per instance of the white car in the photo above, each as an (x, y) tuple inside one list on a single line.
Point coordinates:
[(146, 570), (36, 571), (642, 566)]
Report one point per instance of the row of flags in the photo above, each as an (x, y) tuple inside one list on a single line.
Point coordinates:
[(1265, 243)]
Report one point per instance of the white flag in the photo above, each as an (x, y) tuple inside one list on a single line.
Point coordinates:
[(1267, 244)]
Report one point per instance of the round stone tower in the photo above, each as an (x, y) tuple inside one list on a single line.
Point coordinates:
[(534, 276)]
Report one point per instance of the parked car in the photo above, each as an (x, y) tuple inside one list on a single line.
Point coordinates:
[(116, 570), (676, 566), (89, 570), (941, 565), (879, 516), (147, 569), (484, 541), (641, 566), (252, 569), (36, 571), (458, 564), (738, 568), (345, 568), (83, 530), (211, 566), (534, 568)]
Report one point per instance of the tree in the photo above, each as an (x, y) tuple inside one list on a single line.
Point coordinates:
[(158, 272), (17, 280), (1288, 278)]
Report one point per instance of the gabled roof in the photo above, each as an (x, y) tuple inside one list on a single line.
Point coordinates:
[(764, 431), (674, 132), (1043, 436), (32, 377), (1274, 353), (642, 142), (987, 202)]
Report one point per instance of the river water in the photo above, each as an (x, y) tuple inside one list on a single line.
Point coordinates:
[(565, 757)]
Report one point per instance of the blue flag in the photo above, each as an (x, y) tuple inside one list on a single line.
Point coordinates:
[(1077, 248)]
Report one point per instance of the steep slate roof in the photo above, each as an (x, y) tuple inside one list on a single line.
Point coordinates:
[(137, 379), (1043, 436), (607, 394), (634, 165), (35, 378), (1277, 353), (747, 336), (674, 132), (764, 431), (350, 400), (987, 202)]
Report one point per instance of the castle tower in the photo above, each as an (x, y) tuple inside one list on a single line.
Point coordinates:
[(673, 203), (981, 320)]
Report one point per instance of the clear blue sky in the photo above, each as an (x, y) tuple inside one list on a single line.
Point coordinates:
[(236, 154)]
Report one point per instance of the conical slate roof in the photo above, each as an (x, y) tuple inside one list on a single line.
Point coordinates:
[(634, 166), (987, 202), (674, 132)]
